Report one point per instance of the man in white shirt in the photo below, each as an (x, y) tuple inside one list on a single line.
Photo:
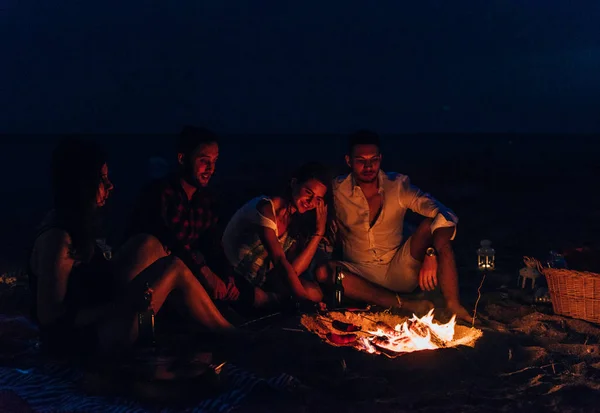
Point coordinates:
[(370, 206)]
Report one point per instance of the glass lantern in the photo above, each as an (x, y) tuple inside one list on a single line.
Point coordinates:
[(486, 256)]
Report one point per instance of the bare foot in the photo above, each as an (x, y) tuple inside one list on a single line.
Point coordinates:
[(461, 312), (417, 307)]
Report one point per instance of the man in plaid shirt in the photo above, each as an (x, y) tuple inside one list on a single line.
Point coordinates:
[(183, 213)]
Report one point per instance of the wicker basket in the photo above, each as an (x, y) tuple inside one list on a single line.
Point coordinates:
[(574, 293)]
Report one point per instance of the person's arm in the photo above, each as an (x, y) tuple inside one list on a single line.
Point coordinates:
[(53, 265), (277, 254), (304, 257), (424, 204)]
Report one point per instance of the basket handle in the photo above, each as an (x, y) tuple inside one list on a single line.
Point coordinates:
[(530, 260)]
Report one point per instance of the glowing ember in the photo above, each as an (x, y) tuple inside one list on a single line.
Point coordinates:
[(372, 332)]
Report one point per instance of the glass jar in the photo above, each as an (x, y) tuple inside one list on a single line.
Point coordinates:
[(486, 256)]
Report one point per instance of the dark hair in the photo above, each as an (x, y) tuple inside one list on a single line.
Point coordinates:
[(313, 170), (302, 226), (76, 175), (191, 137), (363, 137)]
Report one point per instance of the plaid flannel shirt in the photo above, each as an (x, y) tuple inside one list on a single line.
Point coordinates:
[(188, 228)]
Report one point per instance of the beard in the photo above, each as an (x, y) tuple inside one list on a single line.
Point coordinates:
[(369, 179), (189, 177)]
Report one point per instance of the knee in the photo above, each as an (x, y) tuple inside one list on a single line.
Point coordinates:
[(149, 244), (314, 293), (178, 268), (322, 273)]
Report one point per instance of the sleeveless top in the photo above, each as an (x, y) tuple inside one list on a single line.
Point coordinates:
[(89, 285), (243, 246)]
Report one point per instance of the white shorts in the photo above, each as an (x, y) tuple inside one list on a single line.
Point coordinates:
[(400, 275)]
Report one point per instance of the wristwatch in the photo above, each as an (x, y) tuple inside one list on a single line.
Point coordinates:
[(431, 252)]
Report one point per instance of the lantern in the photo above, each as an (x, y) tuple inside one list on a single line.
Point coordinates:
[(486, 256)]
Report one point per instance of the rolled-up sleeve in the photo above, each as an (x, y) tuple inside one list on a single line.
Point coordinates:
[(413, 198)]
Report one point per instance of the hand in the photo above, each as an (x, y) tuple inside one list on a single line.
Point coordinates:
[(321, 218), (428, 274), (217, 287), (321, 306), (232, 291)]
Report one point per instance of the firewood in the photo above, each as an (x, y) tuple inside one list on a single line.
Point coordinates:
[(387, 330), (381, 341), (421, 329)]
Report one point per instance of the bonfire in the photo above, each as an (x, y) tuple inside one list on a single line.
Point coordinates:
[(373, 332)]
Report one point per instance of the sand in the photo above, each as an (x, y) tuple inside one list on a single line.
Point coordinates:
[(527, 359)]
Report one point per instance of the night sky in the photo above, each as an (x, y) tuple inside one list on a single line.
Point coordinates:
[(134, 70), (311, 66)]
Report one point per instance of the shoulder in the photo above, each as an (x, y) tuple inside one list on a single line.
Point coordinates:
[(56, 236), (396, 179), (340, 181), (54, 241), (394, 176), (264, 206)]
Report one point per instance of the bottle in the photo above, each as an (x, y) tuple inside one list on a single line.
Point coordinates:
[(486, 256), (146, 328), (338, 287), (146, 333)]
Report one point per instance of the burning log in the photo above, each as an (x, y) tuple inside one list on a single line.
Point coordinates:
[(418, 327), (386, 329), (381, 341)]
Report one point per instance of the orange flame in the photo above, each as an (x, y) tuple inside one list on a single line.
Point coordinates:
[(406, 338)]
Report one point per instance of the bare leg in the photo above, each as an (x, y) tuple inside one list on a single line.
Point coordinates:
[(313, 290), (277, 287), (448, 273), (163, 276), (262, 298), (360, 289), (170, 273), (138, 253)]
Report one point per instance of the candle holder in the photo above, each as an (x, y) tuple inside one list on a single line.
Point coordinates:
[(486, 256)]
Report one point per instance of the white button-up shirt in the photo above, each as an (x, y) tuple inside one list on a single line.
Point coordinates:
[(377, 244)]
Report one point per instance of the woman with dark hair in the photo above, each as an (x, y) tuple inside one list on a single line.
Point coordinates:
[(269, 244), (72, 277)]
